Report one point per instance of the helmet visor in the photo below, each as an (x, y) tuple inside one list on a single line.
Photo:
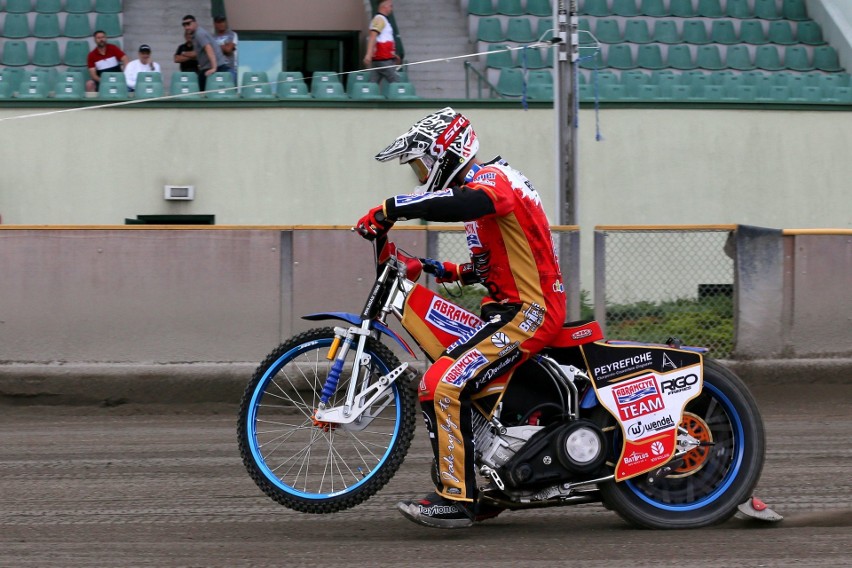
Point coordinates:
[(422, 166)]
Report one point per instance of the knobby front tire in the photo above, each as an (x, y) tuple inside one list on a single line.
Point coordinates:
[(316, 468)]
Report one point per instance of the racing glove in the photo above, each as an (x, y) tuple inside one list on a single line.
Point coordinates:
[(374, 224), (450, 272)]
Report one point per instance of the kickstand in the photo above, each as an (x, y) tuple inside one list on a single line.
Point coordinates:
[(756, 509)]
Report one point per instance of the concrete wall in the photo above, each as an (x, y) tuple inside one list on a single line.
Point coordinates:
[(297, 15)]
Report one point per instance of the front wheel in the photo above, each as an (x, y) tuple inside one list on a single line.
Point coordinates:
[(712, 480), (321, 467)]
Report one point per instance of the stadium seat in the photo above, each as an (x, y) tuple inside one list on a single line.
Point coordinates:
[(510, 7), (540, 76), (15, 54), (709, 57), (607, 31), (795, 10), (612, 92), (722, 31), (694, 32), (751, 31), (76, 53), (48, 6), (540, 92), (738, 9), (69, 85), (649, 92), (255, 86), (654, 8), (325, 77), (620, 56), (352, 79), (680, 57), (490, 30), (499, 57), (650, 56), (809, 33), (540, 8), (46, 53), (633, 81), (511, 83), (148, 90), (366, 91), (148, 78), (19, 6), (595, 8), (110, 24), (290, 77), (766, 10), (77, 26), (34, 85), (292, 90), (743, 93), (779, 93), (710, 9), (625, 8), (520, 30), (108, 6), (46, 26), (16, 26), (328, 90), (781, 32), (78, 6), (593, 58), (739, 58), (665, 31), (113, 86), (544, 30), (796, 58), (682, 8), (841, 95), (636, 31), (531, 58), (184, 83), (713, 93), (9, 80), (220, 86), (825, 59), (766, 57), (481, 8), (605, 77)]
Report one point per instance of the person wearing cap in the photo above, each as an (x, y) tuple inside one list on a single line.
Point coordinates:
[(207, 51), (227, 40), (144, 63)]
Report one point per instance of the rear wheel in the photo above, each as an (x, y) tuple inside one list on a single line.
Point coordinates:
[(712, 479)]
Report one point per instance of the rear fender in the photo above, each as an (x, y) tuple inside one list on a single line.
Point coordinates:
[(356, 321)]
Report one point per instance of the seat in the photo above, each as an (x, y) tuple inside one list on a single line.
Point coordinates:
[(292, 90), (613, 92), (108, 6), (78, 6), (779, 93), (520, 30), (650, 56), (722, 31), (490, 29), (110, 24), (710, 9), (709, 57), (540, 92), (625, 8), (607, 31), (738, 9), (540, 8), (510, 7), (595, 8), (682, 8), (633, 81), (751, 31), (742, 93), (15, 54), (113, 86), (401, 91), (184, 86), (694, 32), (620, 56), (325, 77), (19, 6), (841, 95), (795, 10), (46, 26), (290, 77), (797, 83), (255, 86), (148, 77), (367, 91), (220, 86), (511, 83), (328, 90), (10, 79), (825, 59), (680, 57), (540, 76), (69, 85), (738, 57), (593, 58), (76, 53), (648, 93), (665, 31), (34, 85), (796, 58), (353, 79), (719, 77), (499, 57), (636, 31), (148, 90), (766, 10), (531, 58), (16, 26), (766, 57), (605, 77), (46, 53), (77, 26), (481, 8), (666, 82), (654, 8), (48, 6), (809, 33), (781, 32)]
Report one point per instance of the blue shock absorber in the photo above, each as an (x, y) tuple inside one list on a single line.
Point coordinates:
[(331, 381)]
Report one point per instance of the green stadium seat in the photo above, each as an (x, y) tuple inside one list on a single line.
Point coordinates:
[(694, 32), (666, 83), (766, 57), (108, 6), (510, 7), (10, 79), (648, 93), (613, 92), (110, 24), (329, 90), (48, 6), (593, 58), (607, 31), (636, 31), (620, 56), (738, 9), (597, 8), (586, 92), (825, 59), (743, 93), (751, 31), (714, 93), (782, 78), (544, 30), (796, 58), (738, 57), (654, 8), (69, 85), (710, 9), (255, 86), (719, 77), (633, 81), (19, 6), (781, 32), (148, 90), (693, 77), (499, 57), (46, 53), (148, 77), (510, 83), (829, 83), (540, 76), (723, 31), (810, 33), (681, 92), (531, 58), (797, 83), (77, 26), (709, 57), (76, 53), (811, 95), (367, 91), (520, 30), (185, 84), (625, 8), (650, 56), (325, 77), (78, 6), (220, 86), (795, 10), (605, 77), (766, 10), (292, 90), (353, 79), (841, 95), (540, 92), (46, 26), (680, 57), (490, 29), (682, 8), (481, 8), (15, 54), (34, 86), (665, 31), (753, 76), (401, 91), (540, 8), (113, 86), (16, 26)]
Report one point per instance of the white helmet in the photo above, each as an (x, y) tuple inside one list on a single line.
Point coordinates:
[(436, 147)]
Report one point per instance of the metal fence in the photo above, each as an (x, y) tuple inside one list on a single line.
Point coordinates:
[(652, 283)]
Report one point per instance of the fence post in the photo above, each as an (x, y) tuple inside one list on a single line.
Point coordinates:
[(569, 259), (285, 318), (600, 278)]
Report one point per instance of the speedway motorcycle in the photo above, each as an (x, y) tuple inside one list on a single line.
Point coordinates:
[(659, 433)]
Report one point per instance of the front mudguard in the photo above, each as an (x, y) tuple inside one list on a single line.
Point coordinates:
[(356, 321)]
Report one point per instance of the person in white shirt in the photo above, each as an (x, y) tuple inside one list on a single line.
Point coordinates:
[(137, 66)]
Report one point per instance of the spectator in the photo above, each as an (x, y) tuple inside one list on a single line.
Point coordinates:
[(381, 54), (207, 51), (105, 57), (136, 66), (227, 40), (185, 54)]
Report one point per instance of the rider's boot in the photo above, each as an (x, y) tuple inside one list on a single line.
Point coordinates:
[(438, 512)]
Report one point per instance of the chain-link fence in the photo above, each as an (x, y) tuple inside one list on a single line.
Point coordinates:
[(656, 283)]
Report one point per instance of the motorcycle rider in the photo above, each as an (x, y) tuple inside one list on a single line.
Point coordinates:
[(512, 255)]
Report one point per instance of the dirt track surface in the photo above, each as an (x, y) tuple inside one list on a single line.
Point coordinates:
[(143, 485)]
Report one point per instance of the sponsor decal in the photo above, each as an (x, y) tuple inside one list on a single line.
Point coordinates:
[(497, 370), (500, 340), (559, 287), (447, 463), (533, 318), (451, 318), (402, 200), (658, 448), (638, 428), (465, 367), (637, 361), (448, 135), (503, 352), (667, 362), (635, 457), (471, 230), (679, 384), (581, 334), (638, 398)]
